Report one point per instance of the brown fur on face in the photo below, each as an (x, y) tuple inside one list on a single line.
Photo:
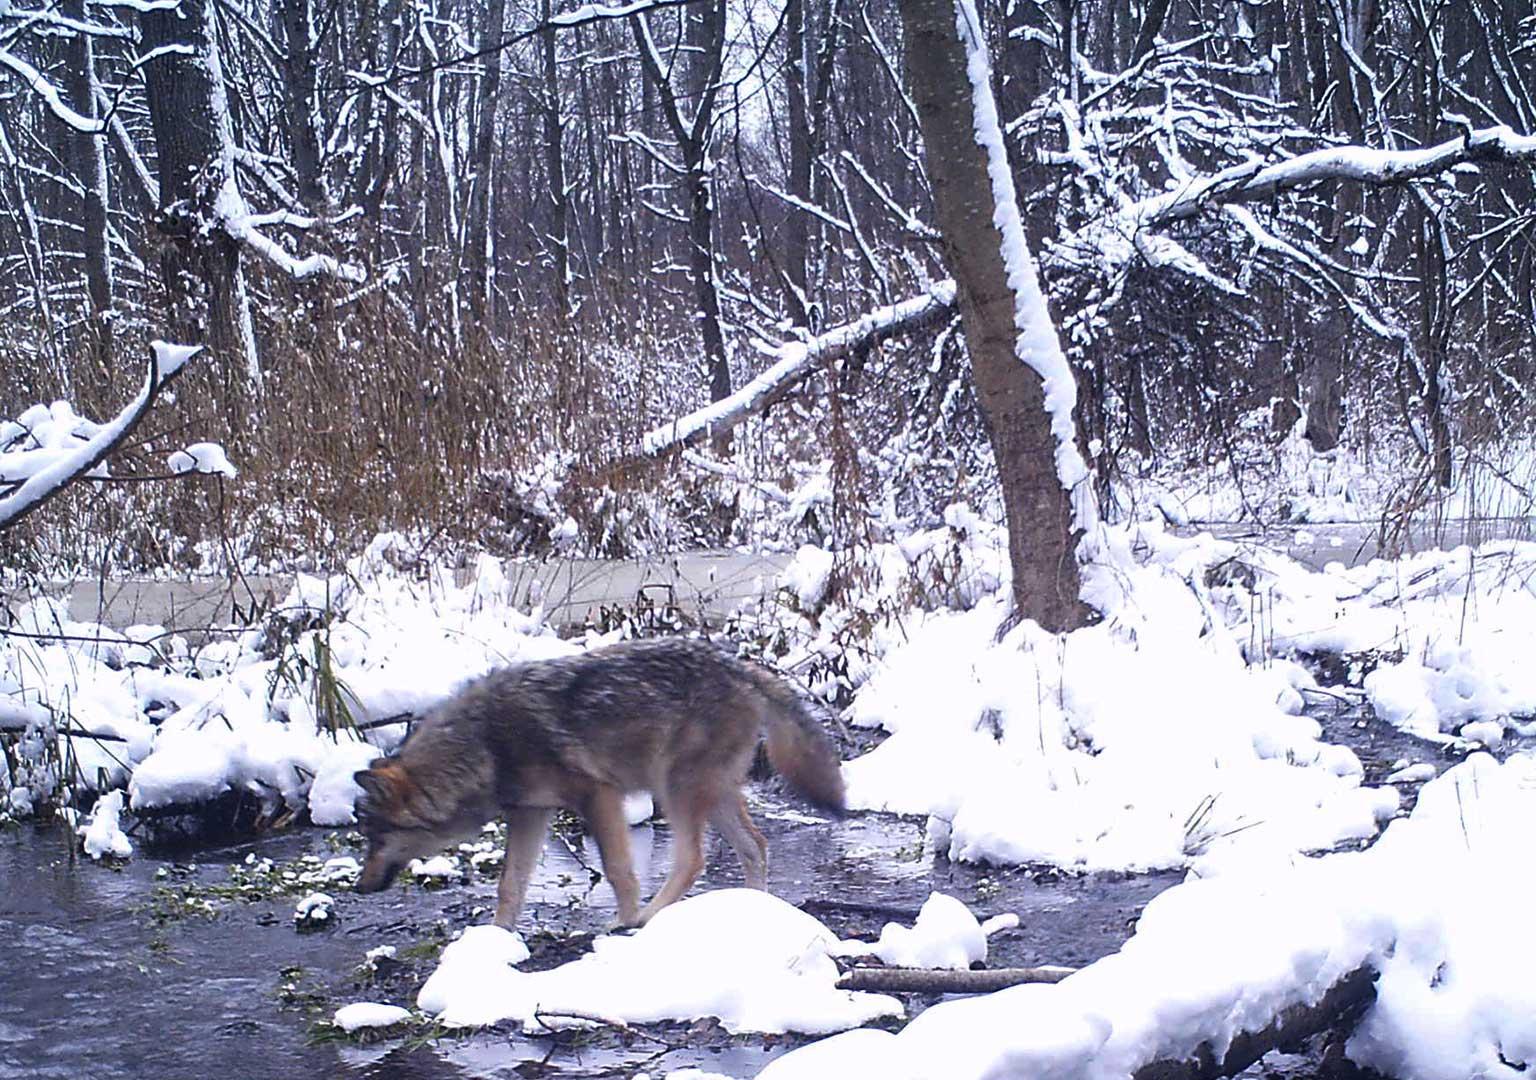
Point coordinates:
[(675, 717)]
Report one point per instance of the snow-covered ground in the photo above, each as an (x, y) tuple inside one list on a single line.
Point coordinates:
[(254, 709), (1223, 954), (1170, 734)]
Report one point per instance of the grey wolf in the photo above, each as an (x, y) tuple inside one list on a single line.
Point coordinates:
[(677, 717)]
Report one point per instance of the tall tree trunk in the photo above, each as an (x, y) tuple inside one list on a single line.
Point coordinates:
[(797, 223), (200, 261), (1004, 317), (88, 157), (303, 135), (554, 163), (705, 38), (477, 229)]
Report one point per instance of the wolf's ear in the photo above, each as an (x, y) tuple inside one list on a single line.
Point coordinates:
[(374, 782)]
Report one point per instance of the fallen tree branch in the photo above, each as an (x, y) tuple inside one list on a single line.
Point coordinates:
[(165, 363), (895, 980), (797, 361), (1339, 1010)]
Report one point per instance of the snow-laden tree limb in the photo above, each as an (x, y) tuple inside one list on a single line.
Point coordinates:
[(797, 360), (50, 95), (165, 363), (1255, 180)]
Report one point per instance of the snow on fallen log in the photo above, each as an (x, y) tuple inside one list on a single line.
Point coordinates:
[(1412, 944), (797, 361)]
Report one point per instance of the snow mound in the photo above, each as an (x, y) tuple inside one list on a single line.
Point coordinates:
[(102, 834), (1122, 746), (369, 1014), (1215, 956), (945, 935), (753, 961)]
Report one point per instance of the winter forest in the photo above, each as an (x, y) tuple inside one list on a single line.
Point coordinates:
[(1102, 430)]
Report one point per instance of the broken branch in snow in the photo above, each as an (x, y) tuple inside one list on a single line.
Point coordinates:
[(165, 363), (1339, 1010), (896, 980), (797, 361)]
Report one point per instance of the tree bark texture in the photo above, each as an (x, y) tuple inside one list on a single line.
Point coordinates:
[(1042, 540)]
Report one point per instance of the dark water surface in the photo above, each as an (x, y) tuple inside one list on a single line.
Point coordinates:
[(104, 975)]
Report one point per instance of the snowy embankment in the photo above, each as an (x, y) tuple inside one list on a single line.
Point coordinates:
[(1172, 733), (253, 710), (1217, 956), (1167, 735)]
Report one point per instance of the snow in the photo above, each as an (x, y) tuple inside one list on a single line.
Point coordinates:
[(741, 955), (1023, 751), (369, 1014), (314, 909), (808, 576), (945, 935), (232, 715), (438, 867), (49, 446), (203, 457), (1218, 955), (102, 834)]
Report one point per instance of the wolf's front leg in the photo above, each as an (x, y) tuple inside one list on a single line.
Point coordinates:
[(527, 827), (605, 815)]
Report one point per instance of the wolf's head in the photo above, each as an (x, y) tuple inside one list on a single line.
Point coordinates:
[(401, 821)]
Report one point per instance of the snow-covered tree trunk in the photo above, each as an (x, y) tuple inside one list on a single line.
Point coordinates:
[(1023, 382)]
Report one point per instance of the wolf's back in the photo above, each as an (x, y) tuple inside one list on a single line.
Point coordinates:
[(798, 749)]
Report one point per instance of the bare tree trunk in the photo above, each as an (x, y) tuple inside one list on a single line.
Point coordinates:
[(797, 223), (1042, 536), (554, 164), (477, 228), (702, 66), (200, 261), (303, 135), (89, 159)]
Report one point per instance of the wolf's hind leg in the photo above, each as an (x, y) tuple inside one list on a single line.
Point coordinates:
[(605, 815), (730, 817), (526, 829), (686, 813)]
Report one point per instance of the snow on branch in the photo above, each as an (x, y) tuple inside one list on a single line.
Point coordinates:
[(797, 360), (50, 95), (47, 448), (238, 221), (1255, 180)]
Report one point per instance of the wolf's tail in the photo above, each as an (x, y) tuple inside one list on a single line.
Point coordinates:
[(798, 749)]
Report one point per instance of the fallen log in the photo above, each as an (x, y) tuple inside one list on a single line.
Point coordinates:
[(1339, 1010), (895, 980)]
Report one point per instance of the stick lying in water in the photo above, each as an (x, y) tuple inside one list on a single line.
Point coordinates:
[(897, 980)]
